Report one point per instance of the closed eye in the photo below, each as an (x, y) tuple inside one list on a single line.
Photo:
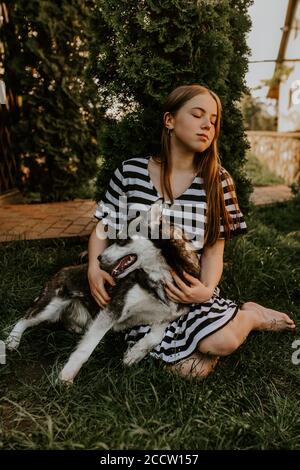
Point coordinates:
[(212, 122)]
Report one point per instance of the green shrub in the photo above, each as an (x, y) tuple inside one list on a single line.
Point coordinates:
[(53, 137), (142, 50)]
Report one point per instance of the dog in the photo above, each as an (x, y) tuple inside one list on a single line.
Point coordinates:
[(140, 267)]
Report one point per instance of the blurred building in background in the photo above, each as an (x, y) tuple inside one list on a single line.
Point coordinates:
[(285, 85)]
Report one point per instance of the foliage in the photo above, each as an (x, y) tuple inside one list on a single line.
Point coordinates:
[(259, 173), (295, 188), (142, 50), (45, 60), (255, 114)]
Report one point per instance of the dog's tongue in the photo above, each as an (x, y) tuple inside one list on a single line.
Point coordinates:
[(121, 265)]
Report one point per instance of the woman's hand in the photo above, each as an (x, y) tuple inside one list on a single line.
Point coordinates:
[(97, 278), (192, 293)]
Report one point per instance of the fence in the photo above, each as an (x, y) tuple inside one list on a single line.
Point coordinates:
[(280, 151)]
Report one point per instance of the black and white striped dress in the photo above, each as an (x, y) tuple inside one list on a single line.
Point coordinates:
[(131, 183)]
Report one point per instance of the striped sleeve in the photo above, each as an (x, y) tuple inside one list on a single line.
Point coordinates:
[(112, 209), (238, 225)]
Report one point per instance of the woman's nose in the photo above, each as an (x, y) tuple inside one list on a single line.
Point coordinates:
[(206, 124)]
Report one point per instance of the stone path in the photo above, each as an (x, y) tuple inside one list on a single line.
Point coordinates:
[(264, 195), (53, 220), (75, 218)]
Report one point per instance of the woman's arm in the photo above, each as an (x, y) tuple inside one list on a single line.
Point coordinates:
[(199, 291), (97, 245), (96, 276), (212, 265)]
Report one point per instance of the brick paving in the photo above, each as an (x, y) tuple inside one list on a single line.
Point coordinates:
[(53, 220), (75, 218)]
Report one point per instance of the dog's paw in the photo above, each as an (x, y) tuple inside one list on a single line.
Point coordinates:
[(12, 342), (133, 356), (66, 376), (65, 379)]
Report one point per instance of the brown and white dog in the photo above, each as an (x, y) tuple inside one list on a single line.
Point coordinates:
[(140, 267)]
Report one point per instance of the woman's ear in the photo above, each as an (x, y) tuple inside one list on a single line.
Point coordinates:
[(168, 120)]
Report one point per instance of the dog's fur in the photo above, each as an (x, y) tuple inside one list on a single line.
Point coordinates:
[(137, 298)]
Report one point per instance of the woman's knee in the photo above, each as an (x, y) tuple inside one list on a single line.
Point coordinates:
[(219, 344)]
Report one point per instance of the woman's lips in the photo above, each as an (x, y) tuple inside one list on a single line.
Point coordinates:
[(202, 137)]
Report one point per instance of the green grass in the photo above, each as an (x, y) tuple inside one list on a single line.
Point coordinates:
[(259, 173), (251, 401)]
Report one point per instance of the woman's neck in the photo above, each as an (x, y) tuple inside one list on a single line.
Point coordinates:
[(182, 163), (182, 160)]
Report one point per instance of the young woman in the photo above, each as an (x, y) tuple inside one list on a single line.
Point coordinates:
[(187, 172)]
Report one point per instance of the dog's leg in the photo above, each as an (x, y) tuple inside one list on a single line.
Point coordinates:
[(50, 313), (144, 345), (100, 325)]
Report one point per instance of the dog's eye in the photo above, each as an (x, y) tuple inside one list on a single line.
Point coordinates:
[(121, 242), (110, 241)]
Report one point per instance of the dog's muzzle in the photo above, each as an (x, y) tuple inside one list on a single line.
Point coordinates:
[(123, 264)]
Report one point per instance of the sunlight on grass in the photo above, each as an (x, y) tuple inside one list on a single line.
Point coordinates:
[(259, 173)]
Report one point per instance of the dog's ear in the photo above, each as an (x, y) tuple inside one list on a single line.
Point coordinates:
[(158, 224), (177, 233), (155, 215), (154, 220)]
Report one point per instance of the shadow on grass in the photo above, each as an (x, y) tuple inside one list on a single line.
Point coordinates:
[(283, 216)]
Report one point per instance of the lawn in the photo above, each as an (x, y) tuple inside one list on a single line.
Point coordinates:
[(251, 401), (259, 173)]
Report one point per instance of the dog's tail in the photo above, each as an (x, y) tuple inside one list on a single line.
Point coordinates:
[(75, 317)]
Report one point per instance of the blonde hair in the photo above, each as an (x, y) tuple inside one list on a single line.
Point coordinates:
[(207, 165)]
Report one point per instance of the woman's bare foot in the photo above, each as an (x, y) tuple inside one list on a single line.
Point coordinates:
[(270, 320), (197, 365)]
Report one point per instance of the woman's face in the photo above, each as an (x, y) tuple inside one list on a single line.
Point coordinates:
[(194, 123)]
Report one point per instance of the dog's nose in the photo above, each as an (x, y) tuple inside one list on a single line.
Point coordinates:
[(99, 258)]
